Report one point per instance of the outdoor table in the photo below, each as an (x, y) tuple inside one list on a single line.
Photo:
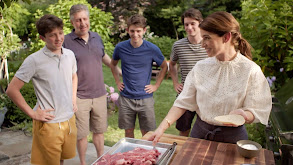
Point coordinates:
[(192, 151)]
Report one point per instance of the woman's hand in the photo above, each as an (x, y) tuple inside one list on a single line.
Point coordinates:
[(247, 115), (173, 115), (155, 137)]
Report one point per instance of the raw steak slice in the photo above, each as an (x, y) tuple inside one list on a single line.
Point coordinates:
[(137, 156)]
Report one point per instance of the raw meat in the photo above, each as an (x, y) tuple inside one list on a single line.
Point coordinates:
[(138, 156)]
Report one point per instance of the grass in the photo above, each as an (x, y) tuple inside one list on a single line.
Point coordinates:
[(164, 98)]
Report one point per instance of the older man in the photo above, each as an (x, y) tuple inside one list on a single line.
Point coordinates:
[(91, 93)]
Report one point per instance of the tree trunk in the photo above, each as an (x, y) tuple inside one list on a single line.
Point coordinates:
[(3, 74)]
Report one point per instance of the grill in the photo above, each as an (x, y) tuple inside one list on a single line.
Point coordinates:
[(279, 131)]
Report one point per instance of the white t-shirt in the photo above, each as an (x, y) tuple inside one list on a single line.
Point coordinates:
[(213, 88)]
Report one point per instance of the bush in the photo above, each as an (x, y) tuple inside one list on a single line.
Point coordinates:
[(256, 132), (101, 22), (17, 17), (16, 115), (268, 26), (3, 101), (164, 43)]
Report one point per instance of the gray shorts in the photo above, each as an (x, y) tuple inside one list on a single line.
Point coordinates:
[(143, 108)]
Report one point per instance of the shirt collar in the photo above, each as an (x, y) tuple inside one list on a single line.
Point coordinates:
[(74, 36), (234, 61), (49, 53)]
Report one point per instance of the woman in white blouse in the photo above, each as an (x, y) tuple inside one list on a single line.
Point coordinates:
[(228, 82)]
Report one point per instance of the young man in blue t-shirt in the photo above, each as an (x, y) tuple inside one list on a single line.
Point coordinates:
[(136, 92)]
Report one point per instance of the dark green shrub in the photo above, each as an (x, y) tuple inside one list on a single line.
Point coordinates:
[(268, 26), (13, 67), (101, 22), (256, 132), (15, 114), (164, 43)]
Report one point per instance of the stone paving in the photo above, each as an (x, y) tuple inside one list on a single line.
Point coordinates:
[(15, 149)]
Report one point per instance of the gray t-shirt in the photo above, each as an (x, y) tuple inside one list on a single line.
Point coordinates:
[(51, 76)]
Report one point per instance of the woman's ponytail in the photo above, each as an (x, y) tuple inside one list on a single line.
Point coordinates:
[(244, 47)]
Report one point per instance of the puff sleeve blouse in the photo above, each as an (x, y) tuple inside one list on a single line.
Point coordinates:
[(213, 88)]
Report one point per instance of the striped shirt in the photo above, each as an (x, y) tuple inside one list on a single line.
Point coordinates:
[(187, 54)]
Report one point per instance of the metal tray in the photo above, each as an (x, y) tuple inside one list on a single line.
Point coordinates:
[(127, 144)]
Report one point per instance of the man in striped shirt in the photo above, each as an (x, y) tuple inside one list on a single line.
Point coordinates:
[(187, 52)]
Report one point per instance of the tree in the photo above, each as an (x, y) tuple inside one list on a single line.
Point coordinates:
[(8, 41), (169, 14), (17, 16), (8, 3), (209, 6), (121, 10), (268, 26)]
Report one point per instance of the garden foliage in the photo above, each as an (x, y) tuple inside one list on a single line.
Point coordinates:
[(101, 22), (8, 41), (112, 99), (8, 3), (14, 114), (268, 26), (121, 11), (164, 43)]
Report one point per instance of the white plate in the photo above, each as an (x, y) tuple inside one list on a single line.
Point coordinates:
[(231, 119)]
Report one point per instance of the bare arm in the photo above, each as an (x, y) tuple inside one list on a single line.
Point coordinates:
[(13, 92), (116, 76), (174, 75), (173, 114), (107, 61), (74, 91), (152, 88)]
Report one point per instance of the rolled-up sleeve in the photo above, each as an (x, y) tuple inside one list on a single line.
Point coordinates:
[(258, 99), (187, 98)]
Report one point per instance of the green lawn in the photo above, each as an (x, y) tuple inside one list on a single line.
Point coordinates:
[(164, 98)]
